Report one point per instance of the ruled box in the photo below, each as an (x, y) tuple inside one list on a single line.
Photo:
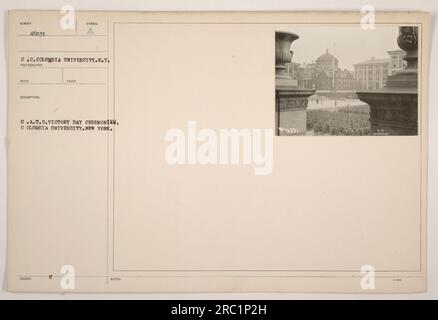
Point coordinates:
[(89, 75)]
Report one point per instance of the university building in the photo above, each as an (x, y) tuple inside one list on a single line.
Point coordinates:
[(323, 74), (396, 62), (372, 74)]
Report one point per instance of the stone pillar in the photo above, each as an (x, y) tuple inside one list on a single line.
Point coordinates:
[(290, 101), (394, 109)]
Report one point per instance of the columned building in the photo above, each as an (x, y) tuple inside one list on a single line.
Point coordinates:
[(371, 74), (306, 76), (396, 62), (292, 69), (325, 74)]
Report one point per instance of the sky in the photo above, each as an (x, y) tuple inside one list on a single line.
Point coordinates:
[(350, 44)]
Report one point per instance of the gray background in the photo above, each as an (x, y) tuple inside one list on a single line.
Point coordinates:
[(234, 5)]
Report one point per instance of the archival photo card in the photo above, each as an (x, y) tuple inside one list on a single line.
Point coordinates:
[(146, 152)]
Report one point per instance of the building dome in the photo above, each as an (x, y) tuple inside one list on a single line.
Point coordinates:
[(326, 62), (326, 57)]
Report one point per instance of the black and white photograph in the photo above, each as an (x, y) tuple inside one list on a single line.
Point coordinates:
[(346, 80)]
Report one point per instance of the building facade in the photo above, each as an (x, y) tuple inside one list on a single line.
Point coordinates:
[(325, 74), (371, 74), (292, 69), (306, 76), (396, 62)]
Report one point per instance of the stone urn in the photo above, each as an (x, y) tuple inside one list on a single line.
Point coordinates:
[(283, 55), (408, 41), (290, 101), (408, 78)]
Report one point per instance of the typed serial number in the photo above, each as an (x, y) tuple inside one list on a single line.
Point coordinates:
[(246, 309)]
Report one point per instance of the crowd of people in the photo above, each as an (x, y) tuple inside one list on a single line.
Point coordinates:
[(342, 121)]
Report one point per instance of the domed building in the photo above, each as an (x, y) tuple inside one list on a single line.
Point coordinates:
[(326, 62), (325, 74)]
